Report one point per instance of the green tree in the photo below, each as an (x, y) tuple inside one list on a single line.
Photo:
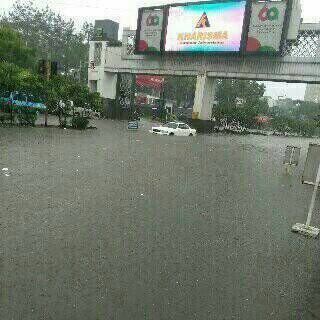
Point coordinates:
[(61, 90), (47, 32), (87, 32), (16, 63), (14, 78), (280, 124), (240, 100), (229, 92), (95, 101), (180, 89), (13, 50), (57, 98)]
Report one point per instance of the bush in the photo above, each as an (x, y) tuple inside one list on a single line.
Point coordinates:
[(63, 123), (172, 117), (79, 122), (305, 128), (5, 117), (27, 118)]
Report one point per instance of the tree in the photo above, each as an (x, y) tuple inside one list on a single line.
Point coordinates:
[(61, 90), (307, 109), (13, 50), (14, 78), (281, 124), (95, 101), (229, 92), (16, 63), (87, 32), (240, 100), (10, 76), (47, 32), (180, 89)]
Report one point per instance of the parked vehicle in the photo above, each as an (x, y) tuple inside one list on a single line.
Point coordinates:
[(174, 129), (21, 100)]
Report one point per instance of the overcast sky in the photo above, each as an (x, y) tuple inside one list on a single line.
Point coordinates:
[(125, 12)]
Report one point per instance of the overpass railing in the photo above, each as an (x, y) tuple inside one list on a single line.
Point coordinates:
[(306, 46)]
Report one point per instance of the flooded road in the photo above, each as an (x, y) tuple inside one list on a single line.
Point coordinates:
[(111, 224)]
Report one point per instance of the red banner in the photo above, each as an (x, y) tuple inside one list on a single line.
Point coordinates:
[(150, 81)]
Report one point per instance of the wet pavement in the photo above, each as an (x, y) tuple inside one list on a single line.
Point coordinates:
[(111, 224)]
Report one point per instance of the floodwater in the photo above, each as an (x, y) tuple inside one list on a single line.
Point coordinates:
[(111, 224)]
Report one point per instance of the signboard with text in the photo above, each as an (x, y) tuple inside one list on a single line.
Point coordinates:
[(266, 27), (133, 125), (150, 33), (205, 27)]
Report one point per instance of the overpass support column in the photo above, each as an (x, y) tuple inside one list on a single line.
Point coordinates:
[(204, 97)]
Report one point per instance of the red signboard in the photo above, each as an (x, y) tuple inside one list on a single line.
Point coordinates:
[(150, 81)]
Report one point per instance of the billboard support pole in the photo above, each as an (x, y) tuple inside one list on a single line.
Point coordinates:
[(313, 199), (306, 229)]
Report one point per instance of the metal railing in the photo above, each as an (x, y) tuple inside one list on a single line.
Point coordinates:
[(307, 45)]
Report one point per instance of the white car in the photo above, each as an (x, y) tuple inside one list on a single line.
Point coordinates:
[(174, 129)]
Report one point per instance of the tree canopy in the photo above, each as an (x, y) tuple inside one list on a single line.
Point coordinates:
[(230, 92), (240, 100), (17, 74), (50, 34), (181, 89), (12, 49)]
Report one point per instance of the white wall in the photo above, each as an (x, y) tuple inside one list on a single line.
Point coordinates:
[(107, 86), (106, 81)]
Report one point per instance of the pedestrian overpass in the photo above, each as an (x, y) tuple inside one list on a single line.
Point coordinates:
[(299, 62)]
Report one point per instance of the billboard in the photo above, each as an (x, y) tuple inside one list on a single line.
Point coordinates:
[(266, 27), (312, 164), (150, 30), (205, 27)]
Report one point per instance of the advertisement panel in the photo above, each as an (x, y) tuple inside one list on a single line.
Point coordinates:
[(150, 30), (266, 26), (205, 27)]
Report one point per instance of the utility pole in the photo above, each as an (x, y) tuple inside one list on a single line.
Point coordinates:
[(47, 69)]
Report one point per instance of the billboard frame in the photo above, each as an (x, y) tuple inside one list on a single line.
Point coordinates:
[(304, 179), (244, 37), (284, 34), (245, 28), (138, 31)]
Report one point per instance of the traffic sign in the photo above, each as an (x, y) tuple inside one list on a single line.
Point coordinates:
[(133, 125)]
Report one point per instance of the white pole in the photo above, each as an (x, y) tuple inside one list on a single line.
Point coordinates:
[(289, 165), (313, 199), (291, 156)]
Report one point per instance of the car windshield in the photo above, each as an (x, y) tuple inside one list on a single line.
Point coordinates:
[(171, 125)]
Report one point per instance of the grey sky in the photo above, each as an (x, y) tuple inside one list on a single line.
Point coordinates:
[(125, 12)]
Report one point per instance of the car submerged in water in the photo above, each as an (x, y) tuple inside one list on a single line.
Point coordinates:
[(174, 129)]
